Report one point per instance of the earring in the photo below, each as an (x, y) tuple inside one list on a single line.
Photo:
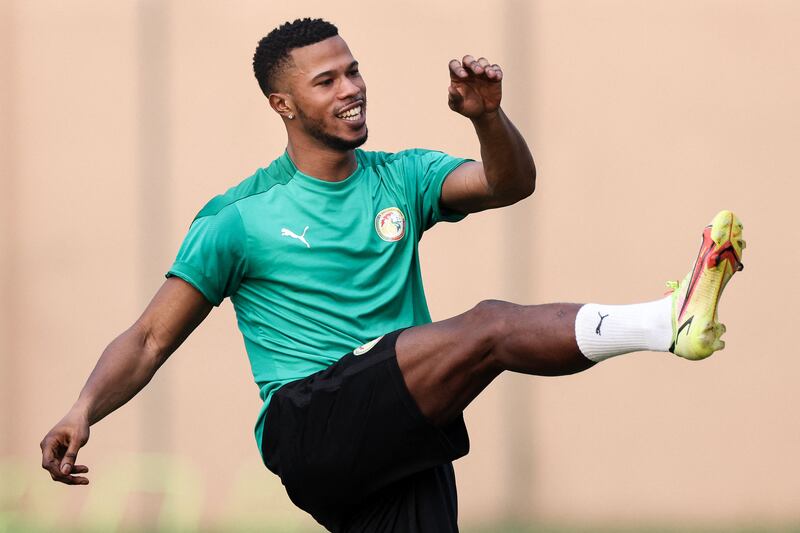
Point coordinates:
[(291, 116)]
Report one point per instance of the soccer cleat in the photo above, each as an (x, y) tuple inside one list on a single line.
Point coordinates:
[(695, 330)]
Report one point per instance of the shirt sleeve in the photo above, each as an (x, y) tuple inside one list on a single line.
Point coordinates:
[(213, 255), (427, 170)]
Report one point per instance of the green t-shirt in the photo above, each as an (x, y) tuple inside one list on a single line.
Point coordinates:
[(315, 269)]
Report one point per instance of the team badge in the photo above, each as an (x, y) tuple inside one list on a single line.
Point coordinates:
[(390, 224), (364, 348)]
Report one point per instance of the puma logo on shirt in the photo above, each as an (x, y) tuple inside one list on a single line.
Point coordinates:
[(302, 238)]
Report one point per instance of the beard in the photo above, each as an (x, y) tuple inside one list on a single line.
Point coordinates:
[(316, 129)]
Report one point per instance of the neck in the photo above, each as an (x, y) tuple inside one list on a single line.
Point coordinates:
[(321, 162)]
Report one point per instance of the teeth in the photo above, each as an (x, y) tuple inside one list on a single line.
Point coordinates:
[(352, 114)]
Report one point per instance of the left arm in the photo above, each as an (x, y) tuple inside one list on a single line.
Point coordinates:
[(507, 174)]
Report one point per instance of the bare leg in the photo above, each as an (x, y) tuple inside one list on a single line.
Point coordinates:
[(447, 364)]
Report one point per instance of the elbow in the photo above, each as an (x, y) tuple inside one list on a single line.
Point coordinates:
[(514, 190), (152, 350), (527, 187), (531, 181), (530, 185)]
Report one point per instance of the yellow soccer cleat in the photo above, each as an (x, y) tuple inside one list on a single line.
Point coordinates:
[(695, 330)]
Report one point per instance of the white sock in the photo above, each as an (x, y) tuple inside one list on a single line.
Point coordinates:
[(603, 331)]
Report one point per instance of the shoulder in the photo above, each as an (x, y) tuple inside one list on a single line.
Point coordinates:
[(370, 159), (262, 181), (378, 159)]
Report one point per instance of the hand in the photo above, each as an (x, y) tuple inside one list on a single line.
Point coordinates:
[(60, 449), (475, 87)]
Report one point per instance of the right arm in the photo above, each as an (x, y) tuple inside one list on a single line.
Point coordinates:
[(124, 368)]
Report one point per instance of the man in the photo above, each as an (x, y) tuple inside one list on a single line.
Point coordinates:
[(318, 253)]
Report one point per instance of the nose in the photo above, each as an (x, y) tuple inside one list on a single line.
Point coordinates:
[(348, 89)]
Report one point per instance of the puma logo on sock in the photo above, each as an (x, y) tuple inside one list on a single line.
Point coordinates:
[(597, 330)]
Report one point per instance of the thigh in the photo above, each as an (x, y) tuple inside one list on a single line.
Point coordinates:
[(446, 364), (339, 436)]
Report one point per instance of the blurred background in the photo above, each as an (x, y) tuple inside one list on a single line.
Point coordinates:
[(119, 120)]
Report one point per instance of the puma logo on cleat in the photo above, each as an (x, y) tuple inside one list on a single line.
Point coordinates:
[(688, 326), (302, 238), (597, 330)]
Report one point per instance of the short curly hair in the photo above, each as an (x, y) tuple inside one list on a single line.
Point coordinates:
[(272, 52)]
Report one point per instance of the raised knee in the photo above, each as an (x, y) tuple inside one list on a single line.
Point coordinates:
[(491, 319)]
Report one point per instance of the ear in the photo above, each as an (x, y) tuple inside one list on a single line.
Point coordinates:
[(282, 104)]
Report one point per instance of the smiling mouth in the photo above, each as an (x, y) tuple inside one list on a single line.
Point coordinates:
[(351, 115)]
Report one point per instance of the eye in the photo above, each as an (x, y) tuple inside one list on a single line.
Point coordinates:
[(325, 82), (355, 73)]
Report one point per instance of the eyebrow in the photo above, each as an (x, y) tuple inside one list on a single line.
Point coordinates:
[(331, 72)]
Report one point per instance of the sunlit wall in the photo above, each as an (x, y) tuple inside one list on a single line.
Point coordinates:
[(119, 120)]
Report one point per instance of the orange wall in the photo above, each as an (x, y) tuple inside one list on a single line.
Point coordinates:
[(118, 120)]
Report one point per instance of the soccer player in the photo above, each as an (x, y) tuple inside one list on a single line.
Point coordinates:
[(362, 395)]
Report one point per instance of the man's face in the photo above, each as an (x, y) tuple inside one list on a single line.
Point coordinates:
[(329, 94)]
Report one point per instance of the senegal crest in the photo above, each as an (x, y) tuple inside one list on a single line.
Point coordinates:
[(390, 224)]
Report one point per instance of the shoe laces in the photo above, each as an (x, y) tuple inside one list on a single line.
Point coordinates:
[(672, 286)]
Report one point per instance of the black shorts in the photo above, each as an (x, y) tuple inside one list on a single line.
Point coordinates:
[(353, 449)]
